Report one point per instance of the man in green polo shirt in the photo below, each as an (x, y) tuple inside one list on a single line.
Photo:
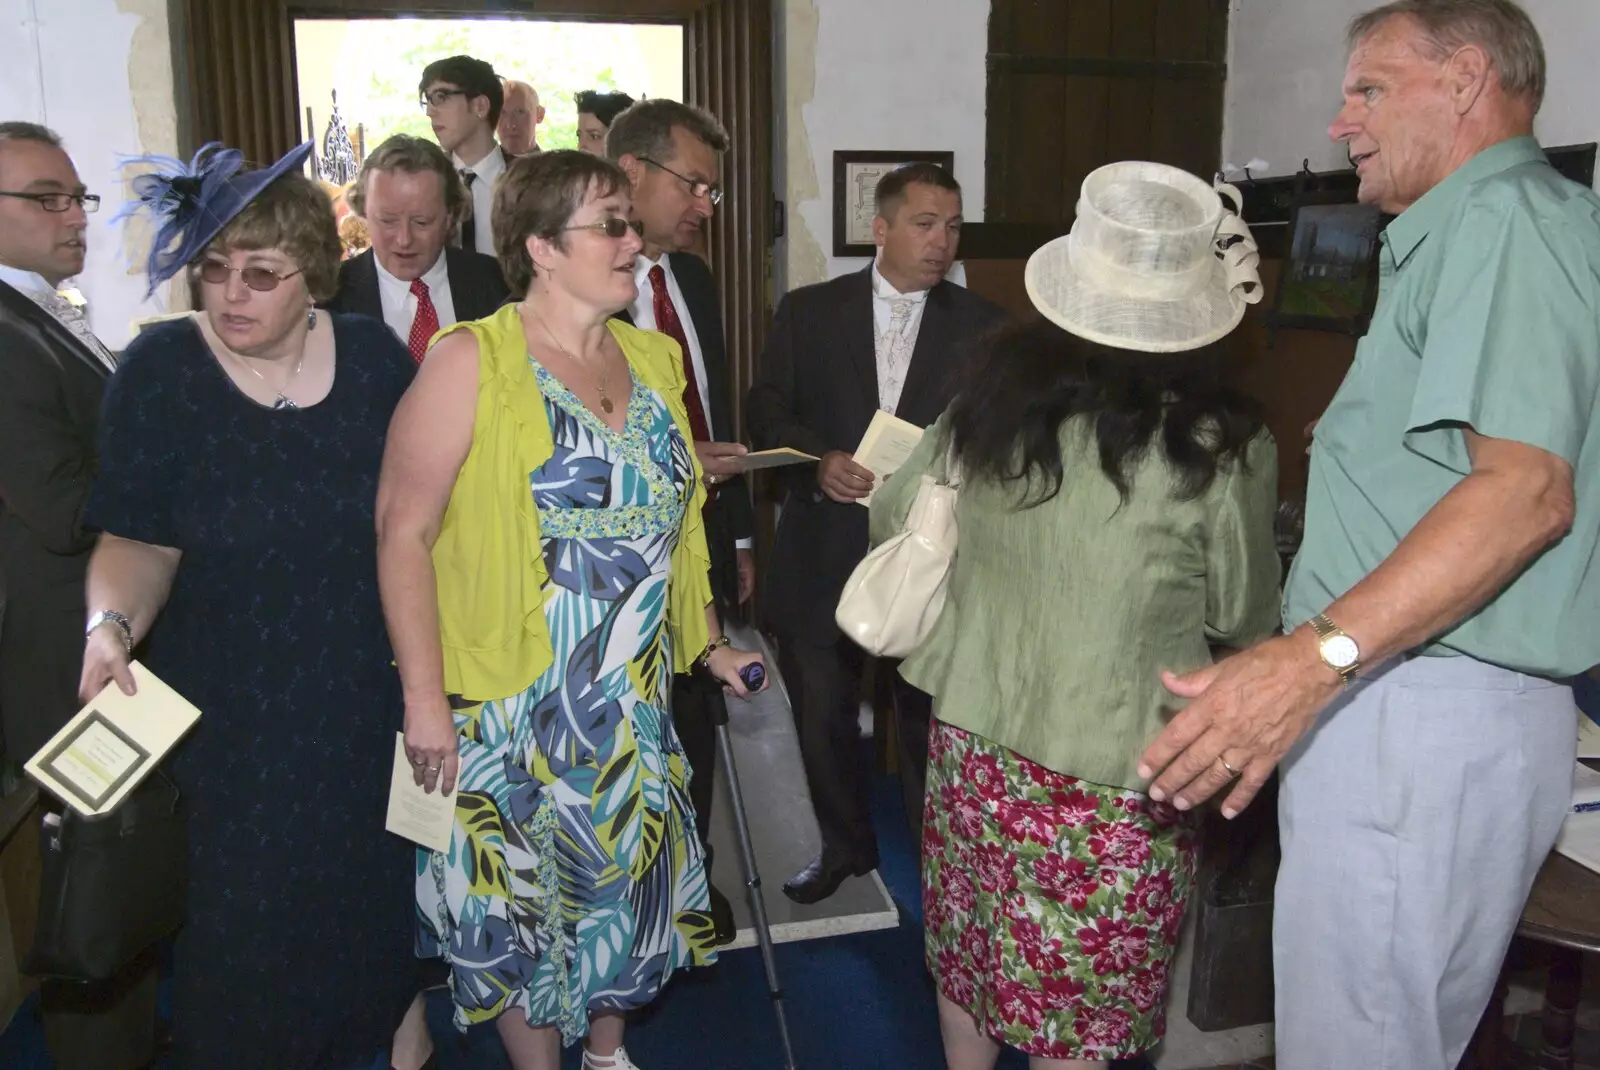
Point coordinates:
[(1447, 584)]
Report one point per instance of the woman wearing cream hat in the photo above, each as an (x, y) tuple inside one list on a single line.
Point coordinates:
[(1115, 518)]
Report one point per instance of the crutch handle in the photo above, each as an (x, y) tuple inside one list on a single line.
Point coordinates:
[(754, 676)]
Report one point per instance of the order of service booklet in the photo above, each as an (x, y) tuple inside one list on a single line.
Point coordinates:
[(423, 817), (113, 744), (884, 448), (777, 458)]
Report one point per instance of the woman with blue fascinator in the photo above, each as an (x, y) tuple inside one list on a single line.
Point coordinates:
[(240, 454)]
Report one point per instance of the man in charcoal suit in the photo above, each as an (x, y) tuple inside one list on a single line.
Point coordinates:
[(671, 153), (412, 199), (888, 337), (53, 371)]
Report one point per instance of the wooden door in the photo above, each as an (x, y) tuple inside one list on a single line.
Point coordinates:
[(728, 71), (1074, 84)]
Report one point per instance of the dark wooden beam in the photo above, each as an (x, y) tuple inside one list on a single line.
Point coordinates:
[(1103, 67), (583, 10)]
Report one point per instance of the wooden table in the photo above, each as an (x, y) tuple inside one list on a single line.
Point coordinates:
[(1563, 915)]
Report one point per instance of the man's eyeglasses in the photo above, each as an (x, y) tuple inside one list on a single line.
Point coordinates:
[(261, 279), (58, 202), (614, 227), (698, 187), (438, 98)]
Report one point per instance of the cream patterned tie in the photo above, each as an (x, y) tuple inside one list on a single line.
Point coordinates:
[(894, 353), (72, 318)]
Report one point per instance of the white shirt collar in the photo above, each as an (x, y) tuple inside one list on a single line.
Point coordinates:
[(24, 281), (642, 265), (884, 290), (488, 167), (433, 278)]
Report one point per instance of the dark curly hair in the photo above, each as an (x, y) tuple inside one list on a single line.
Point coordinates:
[(1023, 381)]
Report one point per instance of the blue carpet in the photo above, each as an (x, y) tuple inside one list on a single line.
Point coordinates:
[(858, 1002)]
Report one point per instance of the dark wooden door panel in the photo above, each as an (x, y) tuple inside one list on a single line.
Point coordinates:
[(728, 61), (1075, 84)]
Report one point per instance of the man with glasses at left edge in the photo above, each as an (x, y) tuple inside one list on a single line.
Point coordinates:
[(52, 373)]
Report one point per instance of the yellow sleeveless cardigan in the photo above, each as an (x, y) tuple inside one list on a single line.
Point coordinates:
[(488, 558)]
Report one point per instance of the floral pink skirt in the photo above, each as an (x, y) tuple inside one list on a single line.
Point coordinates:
[(1052, 905)]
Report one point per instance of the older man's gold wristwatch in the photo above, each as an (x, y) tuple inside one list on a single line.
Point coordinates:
[(1339, 652)]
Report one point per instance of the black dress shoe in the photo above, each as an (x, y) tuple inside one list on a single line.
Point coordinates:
[(722, 917), (822, 878)]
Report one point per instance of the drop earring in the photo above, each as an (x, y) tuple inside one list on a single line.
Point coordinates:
[(311, 318)]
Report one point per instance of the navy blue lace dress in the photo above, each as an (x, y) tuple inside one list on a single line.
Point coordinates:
[(297, 950)]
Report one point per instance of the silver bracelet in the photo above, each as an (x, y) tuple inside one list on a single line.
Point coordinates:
[(113, 617)]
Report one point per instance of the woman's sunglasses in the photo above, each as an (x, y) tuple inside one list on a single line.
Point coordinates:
[(613, 227), (263, 280)]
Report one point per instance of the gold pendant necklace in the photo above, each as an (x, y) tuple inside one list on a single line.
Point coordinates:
[(600, 378)]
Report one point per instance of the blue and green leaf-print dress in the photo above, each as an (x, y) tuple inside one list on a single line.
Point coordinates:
[(575, 883)]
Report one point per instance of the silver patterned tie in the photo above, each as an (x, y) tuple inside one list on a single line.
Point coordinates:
[(72, 318), (894, 353)]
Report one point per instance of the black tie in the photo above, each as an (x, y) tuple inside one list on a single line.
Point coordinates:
[(469, 224)]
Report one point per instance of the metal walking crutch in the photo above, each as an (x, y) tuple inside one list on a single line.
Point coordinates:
[(747, 854)]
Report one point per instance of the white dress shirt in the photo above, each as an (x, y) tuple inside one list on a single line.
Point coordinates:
[(488, 171), (33, 285), (643, 311), (893, 343), (400, 304)]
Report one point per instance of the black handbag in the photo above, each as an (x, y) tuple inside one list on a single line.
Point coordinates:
[(111, 887)]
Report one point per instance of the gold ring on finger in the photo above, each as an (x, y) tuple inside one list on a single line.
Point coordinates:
[(1232, 772)]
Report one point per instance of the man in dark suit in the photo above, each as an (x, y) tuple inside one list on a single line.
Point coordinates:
[(890, 338), (411, 199), (671, 153), (52, 373)]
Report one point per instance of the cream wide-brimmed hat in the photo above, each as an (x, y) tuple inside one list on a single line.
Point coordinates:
[(1155, 261)]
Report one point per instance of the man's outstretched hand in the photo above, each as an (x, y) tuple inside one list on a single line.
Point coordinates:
[(1247, 711)]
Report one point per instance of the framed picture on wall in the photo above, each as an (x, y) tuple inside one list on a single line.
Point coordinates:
[(855, 183), (1330, 276)]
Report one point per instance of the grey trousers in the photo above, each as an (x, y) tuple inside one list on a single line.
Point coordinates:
[(1414, 818)]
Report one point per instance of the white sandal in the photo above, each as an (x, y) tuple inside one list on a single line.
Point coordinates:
[(619, 1061)]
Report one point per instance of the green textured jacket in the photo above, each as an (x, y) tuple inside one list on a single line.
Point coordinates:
[(1061, 616)]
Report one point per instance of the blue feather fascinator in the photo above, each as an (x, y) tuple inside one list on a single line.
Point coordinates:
[(188, 205)]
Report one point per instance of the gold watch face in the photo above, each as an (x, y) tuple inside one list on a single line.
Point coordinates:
[(1340, 651)]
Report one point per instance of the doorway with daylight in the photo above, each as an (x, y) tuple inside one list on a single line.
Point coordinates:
[(357, 78)]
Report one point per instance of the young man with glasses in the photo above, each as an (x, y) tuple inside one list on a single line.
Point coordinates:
[(463, 97), (671, 154), (53, 371)]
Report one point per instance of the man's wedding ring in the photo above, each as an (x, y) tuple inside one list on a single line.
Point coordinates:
[(1232, 772)]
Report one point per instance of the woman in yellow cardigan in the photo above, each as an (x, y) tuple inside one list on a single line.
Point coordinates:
[(543, 567)]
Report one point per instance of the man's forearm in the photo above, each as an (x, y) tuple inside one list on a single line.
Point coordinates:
[(1462, 553)]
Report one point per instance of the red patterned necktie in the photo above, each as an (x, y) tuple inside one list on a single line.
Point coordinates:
[(426, 322), (667, 323)]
